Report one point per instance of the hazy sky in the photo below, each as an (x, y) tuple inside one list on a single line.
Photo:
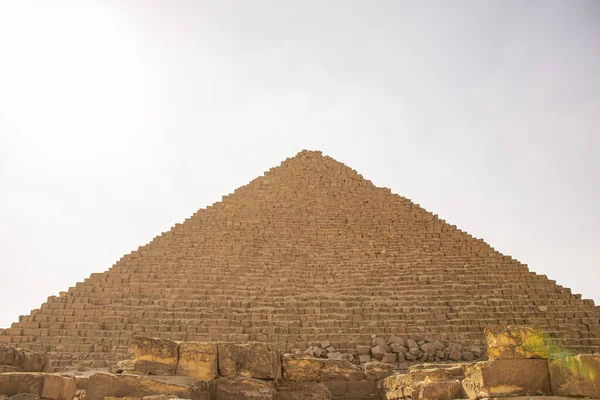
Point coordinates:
[(119, 119)]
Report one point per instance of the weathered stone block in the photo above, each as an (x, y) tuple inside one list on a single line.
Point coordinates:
[(7, 355), (245, 388), (102, 385), (57, 387), (251, 360), (577, 376), (505, 378), (198, 360), (401, 386), (160, 355), (516, 342), (22, 360), (376, 370), (297, 368), (302, 391), (21, 382), (445, 390)]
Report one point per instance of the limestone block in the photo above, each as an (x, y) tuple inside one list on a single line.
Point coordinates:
[(7, 355), (297, 368), (377, 352), (363, 350), (24, 396), (198, 360), (245, 388), (102, 385), (57, 387), (445, 390), (390, 358), (516, 342), (400, 386), (251, 360), (376, 370), (396, 340), (160, 354), (577, 376), (9, 368), (505, 378), (23, 360), (302, 391), (21, 382)]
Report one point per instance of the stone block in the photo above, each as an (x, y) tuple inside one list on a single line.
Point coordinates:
[(396, 340), (296, 368), (400, 386), (250, 360), (577, 376), (364, 358), (198, 360), (445, 390), (363, 350), (366, 388), (27, 361), (377, 352), (103, 385), (303, 391), (57, 387), (389, 358), (21, 382), (160, 355), (516, 342), (336, 388), (245, 388), (7, 355), (506, 378), (376, 370)]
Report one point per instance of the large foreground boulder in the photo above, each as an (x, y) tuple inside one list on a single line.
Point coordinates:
[(21, 360), (198, 360), (103, 385), (305, 368), (21, 382), (507, 378), (516, 342), (245, 388), (251, 360), (302, 391), (421, 384), (577, 376), (155, 356)]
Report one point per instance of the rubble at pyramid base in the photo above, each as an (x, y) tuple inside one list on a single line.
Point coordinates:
[(521, 362)]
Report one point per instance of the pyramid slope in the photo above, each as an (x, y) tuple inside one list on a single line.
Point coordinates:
[(308, 251)]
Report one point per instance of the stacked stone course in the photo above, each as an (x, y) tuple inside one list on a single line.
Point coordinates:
[(310, 250)]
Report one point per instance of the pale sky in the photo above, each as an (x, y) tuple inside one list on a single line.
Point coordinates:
[(119, 119)]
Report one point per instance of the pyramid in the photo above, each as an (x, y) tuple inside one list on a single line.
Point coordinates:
[(309, 251)]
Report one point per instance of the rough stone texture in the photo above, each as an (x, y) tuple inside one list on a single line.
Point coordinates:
[(505, 378), (22, 360), (251, 360), (56, 387), (245, 388), (445, 390), (198, 360), (102, 385), (317, 369), (402, 386), (516, 342), (302, 391), (309, 250), (577, 376), (21, 382), (157, 356), (376, 370)]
